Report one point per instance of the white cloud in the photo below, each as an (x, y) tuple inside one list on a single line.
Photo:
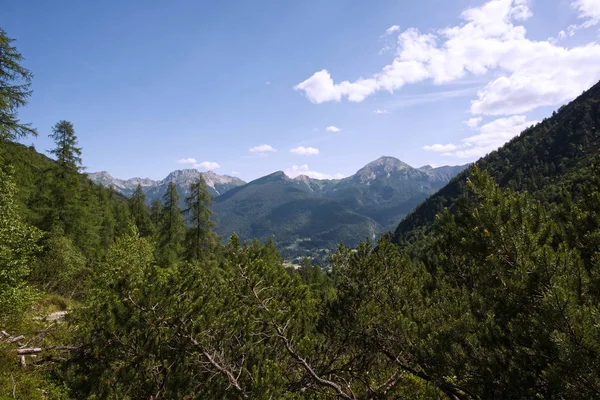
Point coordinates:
[(381, 111), (333, 129), (207, 165), (305, 151), (187, 161), (491, 136), (267, 83), (235, 173), (296, 170), (392, 29), (473, 122), (589, 10), (262, 149), (440, 148), (527, 73)]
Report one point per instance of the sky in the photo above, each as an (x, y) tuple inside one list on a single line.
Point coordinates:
[(311, 87)]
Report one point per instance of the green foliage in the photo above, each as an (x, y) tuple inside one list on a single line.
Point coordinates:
[(200, 240), (15, 81), (61, 268), (68, 155), (171, 229), (18, 245), (140, 213)]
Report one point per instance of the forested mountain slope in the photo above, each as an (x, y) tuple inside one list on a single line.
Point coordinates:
[(555, 155), (85, 212), (276, 206)]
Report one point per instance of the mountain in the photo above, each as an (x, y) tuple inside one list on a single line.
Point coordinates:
[(385, 190), (277, 206), (555, 156), (306, 213), (217, 184)]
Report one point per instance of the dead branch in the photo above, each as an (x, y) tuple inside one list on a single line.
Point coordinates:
[(230, 376), (30, 350)]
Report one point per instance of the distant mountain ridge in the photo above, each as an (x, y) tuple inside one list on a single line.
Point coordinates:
[(304, 212), (217, 184)]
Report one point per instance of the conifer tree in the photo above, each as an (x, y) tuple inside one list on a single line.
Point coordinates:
[(200, 239), (140, 213), (155, 209), (67, 206), (15, 81), (171, 232), (68, 155)]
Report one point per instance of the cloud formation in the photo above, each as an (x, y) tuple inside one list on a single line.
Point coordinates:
[(189, 160), (440, 148), (204, 165), (473, 122), (589, 11), (262, 149), (296, 170), (381, 111), (392, 29), (491, 136), (527, 73), (305, 151), (207, 165), (333, 129)]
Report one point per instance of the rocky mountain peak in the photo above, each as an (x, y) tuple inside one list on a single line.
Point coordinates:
[(382, 167)]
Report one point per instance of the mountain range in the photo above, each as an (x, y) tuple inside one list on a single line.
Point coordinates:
[(302, 212)]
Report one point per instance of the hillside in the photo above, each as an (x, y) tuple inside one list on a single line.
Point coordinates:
[(555, 155), (90, 216), (275, 206), (387, 189)]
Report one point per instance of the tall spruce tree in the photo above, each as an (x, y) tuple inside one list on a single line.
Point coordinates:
[(66, 190), (171, 232), (15, 81), (200, 239), (140, 213)]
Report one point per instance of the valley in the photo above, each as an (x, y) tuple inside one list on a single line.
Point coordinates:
[(304, 215)]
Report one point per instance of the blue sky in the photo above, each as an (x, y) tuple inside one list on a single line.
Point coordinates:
[(150, 83)]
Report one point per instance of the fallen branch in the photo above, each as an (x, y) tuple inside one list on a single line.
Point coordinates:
[(30, 350)]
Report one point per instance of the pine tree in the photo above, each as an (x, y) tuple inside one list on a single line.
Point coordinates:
[(140, 213), (200, 239), (171, 232), (15, 82)]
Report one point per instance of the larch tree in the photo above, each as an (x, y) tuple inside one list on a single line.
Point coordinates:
[(67, 191), (140, 213), (68, 155), (171, 231), (15, 82), (155, 209), (200, 239)]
